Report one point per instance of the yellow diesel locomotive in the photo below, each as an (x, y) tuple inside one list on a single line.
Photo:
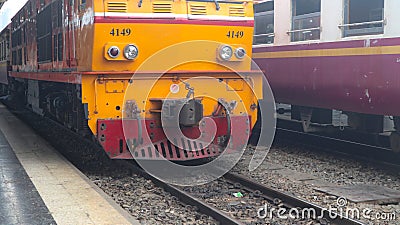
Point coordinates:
[(93, 64)]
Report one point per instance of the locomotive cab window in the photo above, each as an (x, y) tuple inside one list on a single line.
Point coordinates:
[(305, 20), (264, 23), (363, 17)]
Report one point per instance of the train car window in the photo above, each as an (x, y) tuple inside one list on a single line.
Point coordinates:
[(19, 20), (19, 59), (363, 17), (264, 23), (14, 58), (29, 9), (306, 20), (22, 18), (60, 47), (59, 14), (25, 56), (82, 4), (264, 7), (55, 46), (44, 30), (24, 33), (16, 38), (1, 51)]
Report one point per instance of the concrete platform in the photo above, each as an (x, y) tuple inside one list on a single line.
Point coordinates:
[(20, 203), (39, 186)]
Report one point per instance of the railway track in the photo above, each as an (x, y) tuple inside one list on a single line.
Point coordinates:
[(289, 201), (379, 156), (274, 196), (86, 156), (185, 197)]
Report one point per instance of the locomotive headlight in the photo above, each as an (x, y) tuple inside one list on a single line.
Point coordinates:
[(131, 51), (226, 52), (113, 52), (240, 53)]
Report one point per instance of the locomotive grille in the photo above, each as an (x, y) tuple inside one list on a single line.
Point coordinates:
[(116, 7), (237, 11), (198, 9), (162, 7)]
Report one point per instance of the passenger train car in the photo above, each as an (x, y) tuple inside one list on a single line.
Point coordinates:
[(74, 60), (5, 65), (335, 62)]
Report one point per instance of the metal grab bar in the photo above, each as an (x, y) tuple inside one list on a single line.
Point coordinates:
[(363, 23), (308, 29), (263, 35)]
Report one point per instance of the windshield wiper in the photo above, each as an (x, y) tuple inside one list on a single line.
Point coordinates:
[(216, 5)]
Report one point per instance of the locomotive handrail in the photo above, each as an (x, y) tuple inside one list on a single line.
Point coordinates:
[(263, 35), (308, 29), (363, 23)]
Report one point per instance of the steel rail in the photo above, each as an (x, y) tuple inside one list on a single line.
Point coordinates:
[(185, 197), (290, 201)]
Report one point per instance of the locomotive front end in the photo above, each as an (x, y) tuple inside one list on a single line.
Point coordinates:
[(169, 79)]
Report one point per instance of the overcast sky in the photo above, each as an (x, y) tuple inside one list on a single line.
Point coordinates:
[(9, 9)]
